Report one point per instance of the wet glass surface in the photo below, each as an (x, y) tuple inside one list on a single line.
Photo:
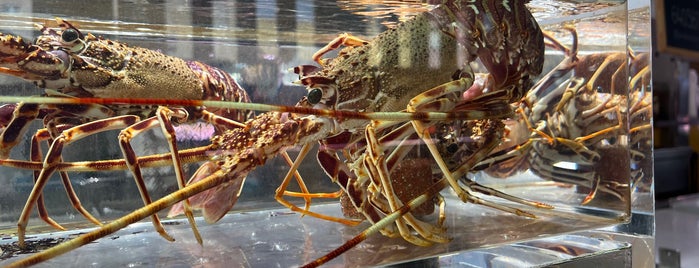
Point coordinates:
[(277, 238), (257, 42)]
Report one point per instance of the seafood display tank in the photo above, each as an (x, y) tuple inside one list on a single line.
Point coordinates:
[(566, 177)]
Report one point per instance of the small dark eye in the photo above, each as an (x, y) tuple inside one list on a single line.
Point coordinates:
[(69, 35), (315, 95)]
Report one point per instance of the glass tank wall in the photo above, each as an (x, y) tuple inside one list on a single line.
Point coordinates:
[(579, 140)]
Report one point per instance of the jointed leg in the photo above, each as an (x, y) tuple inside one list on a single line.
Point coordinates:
[(425, 101), (36, 155), (280, 192), (376, 162), (161, 119), (53, 158), (344, 39), (304, 190), (23, 114)]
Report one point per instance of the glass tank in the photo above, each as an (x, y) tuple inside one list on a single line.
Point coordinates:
[(546, 133)]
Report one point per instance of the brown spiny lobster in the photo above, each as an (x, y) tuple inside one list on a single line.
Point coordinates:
[(70, 64)]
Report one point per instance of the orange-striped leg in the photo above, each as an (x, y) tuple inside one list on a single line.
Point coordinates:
[(16, 126), (36, 155), (305, 194), (281, 190), (356, 188), (25, 113), (430, 192), (53, 158), (161, 119)]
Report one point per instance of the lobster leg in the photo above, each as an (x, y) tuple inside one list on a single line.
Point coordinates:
[(53, 157), (619, 74), (344, 39), (376, 159), (304, 190), (490, 143), (429, 97), (161, 119), (378, 167), (23, 114), (279, 193), (381, 164), (554, 43), (36, 155), (641, 78), (511, 156), (190, 155), (435, 99), (337, 171), (366, 198), (211, 181), (601, 132), (355, 188)]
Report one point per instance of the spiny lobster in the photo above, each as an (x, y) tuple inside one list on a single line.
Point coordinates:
[(590, 119), (70, 64)]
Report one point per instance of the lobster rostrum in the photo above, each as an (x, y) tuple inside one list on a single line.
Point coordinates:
[(72, 64)]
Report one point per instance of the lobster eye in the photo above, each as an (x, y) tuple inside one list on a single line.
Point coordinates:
[(314, 95), (69, 35)]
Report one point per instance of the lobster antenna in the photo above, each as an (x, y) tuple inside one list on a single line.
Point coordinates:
[(491, 112)]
